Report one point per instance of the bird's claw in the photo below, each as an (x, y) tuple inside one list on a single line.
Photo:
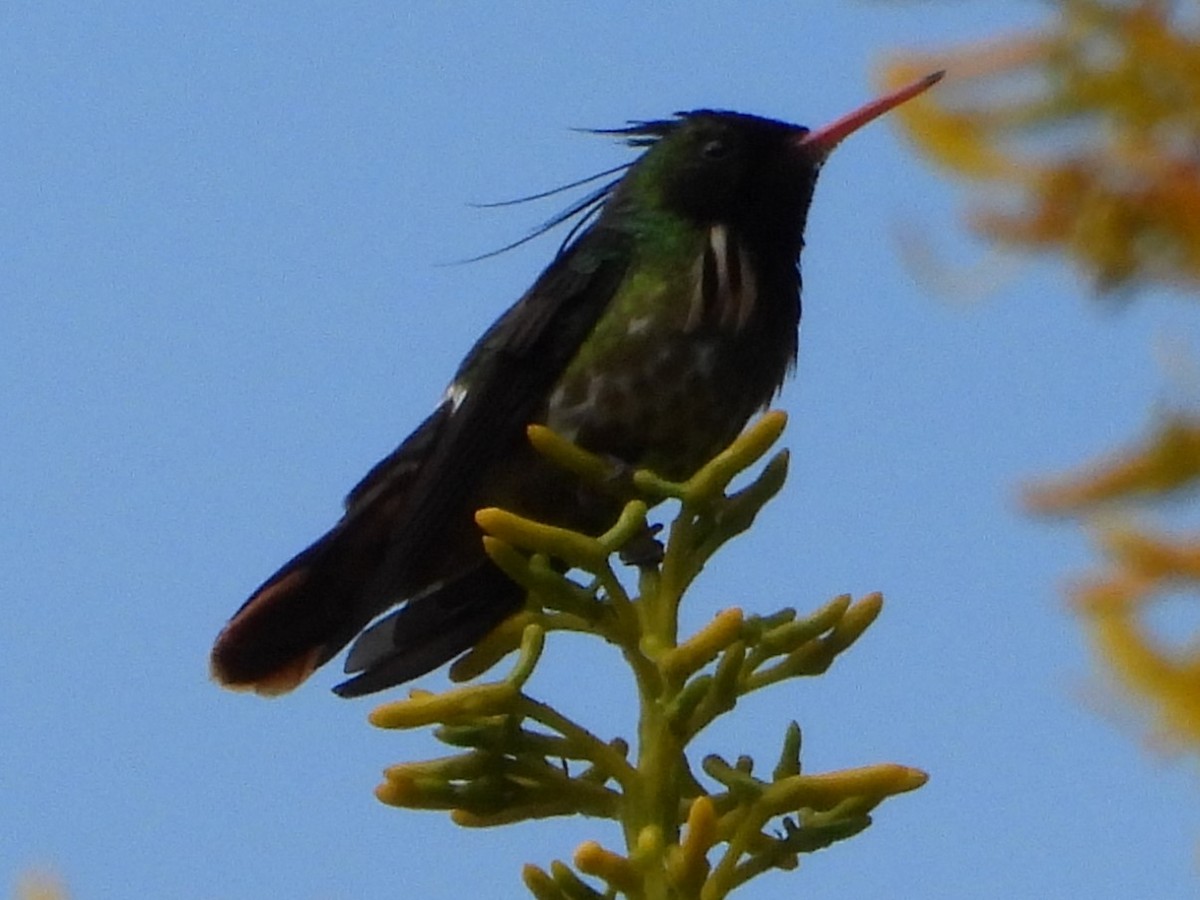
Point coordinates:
[(644, 550)]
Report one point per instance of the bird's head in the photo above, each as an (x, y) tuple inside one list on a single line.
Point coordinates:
[(752, 173)]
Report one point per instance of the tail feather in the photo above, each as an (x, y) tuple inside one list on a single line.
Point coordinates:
[(301, 616), (446, 620)]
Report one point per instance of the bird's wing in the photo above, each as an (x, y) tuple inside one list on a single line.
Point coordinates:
[(430, 629), (498, 390)]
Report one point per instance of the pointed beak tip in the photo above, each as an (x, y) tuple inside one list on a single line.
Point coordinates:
[(822, 141), (933, 78)]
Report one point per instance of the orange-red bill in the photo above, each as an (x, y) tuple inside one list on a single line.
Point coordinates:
[(823, 140)]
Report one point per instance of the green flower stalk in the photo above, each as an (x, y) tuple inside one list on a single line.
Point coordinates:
[(517, 758)]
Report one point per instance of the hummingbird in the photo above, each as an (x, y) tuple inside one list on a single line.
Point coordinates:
[(667, 318)]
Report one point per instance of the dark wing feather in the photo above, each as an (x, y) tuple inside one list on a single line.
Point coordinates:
[(403, 463), (430, 630), (509, 373), (506, 377)]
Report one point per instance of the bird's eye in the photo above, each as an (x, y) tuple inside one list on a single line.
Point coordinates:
[(715, 149)]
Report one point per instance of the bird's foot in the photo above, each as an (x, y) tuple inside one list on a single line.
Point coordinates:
[(643, 550)]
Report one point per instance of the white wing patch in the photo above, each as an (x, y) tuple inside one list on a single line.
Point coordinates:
[(455, 394)]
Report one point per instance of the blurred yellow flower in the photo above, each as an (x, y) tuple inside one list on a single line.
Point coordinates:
[(1113, 90)]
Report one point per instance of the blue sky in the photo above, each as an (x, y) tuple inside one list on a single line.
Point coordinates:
[(221, 300)]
